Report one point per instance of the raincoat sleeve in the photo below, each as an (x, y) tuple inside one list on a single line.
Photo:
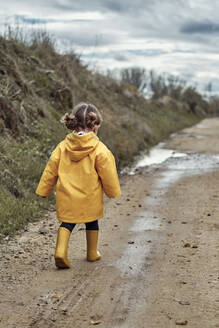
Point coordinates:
[(106, 169), (50, 175)]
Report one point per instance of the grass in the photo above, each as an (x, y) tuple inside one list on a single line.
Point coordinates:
[(21, 164), (15, 214)]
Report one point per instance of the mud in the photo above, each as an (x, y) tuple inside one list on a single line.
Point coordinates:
[(159, 246)]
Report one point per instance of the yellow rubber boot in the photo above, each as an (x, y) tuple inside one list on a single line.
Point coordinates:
[(61, 259), (92, 241)]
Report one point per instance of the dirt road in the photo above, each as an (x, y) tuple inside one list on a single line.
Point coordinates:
[(159, 245)]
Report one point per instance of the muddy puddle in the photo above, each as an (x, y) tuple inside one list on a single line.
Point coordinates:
[(192, 164), (132, 262), (155, 156)]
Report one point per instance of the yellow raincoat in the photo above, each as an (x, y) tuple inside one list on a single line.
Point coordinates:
[(82, 167)]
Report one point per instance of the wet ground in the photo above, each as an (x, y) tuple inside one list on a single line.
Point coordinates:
[(159, 245)]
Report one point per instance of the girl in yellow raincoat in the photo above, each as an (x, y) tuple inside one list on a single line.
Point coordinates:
[(82, 167)]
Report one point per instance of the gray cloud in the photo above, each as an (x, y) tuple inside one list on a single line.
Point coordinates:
[(118, 6), (120, 58), (200, 27), (148, 53), (35, 21)]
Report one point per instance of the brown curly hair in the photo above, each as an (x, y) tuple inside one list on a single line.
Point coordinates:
[(83, 116)]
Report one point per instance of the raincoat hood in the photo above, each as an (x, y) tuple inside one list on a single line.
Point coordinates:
[(79, 146)]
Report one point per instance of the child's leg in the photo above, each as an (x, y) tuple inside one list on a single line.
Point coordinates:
[(92, 225), (92, 229), (69, 226), (61, 259)]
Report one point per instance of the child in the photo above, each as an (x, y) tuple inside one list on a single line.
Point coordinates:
[(82, 167)]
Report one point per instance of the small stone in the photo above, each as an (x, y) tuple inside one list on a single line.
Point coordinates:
[(95, 322), (184, 302), (43, 230), (95, 319), (64, 311), (57, 296), (20, 304), (181, 322)]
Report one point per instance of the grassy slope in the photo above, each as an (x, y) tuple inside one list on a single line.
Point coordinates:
[(37, 86)]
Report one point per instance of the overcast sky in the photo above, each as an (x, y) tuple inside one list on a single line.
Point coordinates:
[(174, 36)]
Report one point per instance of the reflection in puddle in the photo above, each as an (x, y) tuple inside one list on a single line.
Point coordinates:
[(201, 126), (133, 258), (156, 155), (132, 262), (193, 164), (146, 223), (187, 135), (200, 137)]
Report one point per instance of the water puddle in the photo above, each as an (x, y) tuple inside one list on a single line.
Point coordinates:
[(201, 126), (132, 262), (156, 155), (193, 164), (146, 222), (187, 135)]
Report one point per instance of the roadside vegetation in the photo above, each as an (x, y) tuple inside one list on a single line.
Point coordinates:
[(38, 85)]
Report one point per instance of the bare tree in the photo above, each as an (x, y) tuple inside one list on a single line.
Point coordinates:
[(158, 85), (208, 89), (166, 85), (175, 86), (135, 76)]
